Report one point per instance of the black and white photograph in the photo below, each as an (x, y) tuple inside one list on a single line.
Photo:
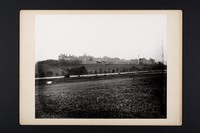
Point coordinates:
[(100, 66)]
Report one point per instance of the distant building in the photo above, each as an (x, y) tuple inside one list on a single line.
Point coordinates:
[(86, 59)]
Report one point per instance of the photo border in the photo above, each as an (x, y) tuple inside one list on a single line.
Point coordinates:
[(27, 69)]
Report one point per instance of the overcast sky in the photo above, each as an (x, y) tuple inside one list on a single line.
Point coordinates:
[(123, 36)]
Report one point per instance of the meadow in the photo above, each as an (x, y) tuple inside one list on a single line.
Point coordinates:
[(143, 96)]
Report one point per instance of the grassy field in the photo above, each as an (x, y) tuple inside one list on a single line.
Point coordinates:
[(141, 97)]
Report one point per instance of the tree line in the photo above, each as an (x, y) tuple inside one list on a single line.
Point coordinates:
[(81, 70)]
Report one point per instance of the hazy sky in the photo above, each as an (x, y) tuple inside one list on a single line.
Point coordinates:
[(113, 35)]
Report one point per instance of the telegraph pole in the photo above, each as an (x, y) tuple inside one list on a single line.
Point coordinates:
[(162, 53)]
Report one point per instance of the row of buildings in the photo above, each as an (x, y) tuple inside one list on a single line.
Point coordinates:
[(86, 59)]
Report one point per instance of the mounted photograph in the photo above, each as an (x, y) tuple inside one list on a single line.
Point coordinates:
[(100, 67)]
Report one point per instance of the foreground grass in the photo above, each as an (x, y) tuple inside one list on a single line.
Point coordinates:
[(141, 97)]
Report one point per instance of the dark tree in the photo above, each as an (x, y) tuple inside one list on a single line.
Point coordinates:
[(48, 74), (63, 73), (134, 68), (67, 75), (78, 70), (100, 70), (95, 72), (117, 70), (83, 70), (42, 74), (113, 70)]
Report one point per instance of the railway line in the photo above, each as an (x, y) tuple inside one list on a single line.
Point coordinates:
[(105, 74)]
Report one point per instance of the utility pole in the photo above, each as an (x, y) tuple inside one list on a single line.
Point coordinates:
[(162, 53)]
